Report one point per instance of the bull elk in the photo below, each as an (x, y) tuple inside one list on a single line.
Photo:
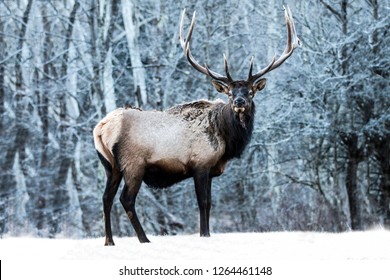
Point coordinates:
[(192, 140)]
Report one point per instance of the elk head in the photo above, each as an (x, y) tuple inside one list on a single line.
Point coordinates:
[(240, 92)]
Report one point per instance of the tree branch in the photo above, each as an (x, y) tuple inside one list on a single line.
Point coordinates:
[(332, 10)]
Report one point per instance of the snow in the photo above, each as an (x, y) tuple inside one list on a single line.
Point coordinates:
[(275, 248), (368, 245)]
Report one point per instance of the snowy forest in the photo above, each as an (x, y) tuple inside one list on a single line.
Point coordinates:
[(319, 158)]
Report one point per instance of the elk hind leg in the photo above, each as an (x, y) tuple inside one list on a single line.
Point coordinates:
[(133, 183), (114, 177)]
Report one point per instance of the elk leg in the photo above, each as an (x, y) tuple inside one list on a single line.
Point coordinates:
[(128, 197), (208, 205), (113, 180), (201, 180)]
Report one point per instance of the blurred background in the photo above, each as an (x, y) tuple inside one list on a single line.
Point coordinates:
[(319, 158)]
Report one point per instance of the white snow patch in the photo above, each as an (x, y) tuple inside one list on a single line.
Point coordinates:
[(368, 245)]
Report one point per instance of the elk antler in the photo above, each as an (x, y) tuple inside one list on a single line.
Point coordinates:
[(185, 44), (292, 43)]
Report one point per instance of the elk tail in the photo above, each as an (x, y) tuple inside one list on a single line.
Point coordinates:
[(103, 152)]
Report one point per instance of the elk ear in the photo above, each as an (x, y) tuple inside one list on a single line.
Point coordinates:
[(220, 86), (259, 85)]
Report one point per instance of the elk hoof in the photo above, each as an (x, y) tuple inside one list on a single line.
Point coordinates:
[(109, 243), (144, 240)]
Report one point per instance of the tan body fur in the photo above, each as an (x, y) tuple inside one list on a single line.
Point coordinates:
[(175, 140)]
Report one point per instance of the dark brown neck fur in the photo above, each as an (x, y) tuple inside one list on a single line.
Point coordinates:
[(236, 130)]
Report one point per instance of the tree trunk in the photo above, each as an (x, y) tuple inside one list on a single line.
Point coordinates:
[(2, 73), (67, 138), (132, 31), (65, 135), (382, 152), (41, 201), (354, 158), (20, 130)]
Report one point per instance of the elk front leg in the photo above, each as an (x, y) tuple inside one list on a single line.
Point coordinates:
[(208, 205), (202, 184)]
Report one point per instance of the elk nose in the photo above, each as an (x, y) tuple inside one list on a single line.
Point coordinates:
[(239, 102)]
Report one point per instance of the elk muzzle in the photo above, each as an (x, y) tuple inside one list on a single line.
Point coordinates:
[(239, 104)]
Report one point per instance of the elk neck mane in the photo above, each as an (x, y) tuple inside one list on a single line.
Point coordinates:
[(234, 129)]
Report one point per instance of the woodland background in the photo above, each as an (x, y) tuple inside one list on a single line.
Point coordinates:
[(319, 158)]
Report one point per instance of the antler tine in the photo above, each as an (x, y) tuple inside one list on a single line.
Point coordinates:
[(212, 74), (181, 33), (292, 39), (292, 44), (186, 47), (225, 63), (250, 69), (262, 72), (297, 42)]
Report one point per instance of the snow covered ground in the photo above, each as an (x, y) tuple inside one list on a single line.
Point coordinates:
[(368, 245), (371, 248)]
